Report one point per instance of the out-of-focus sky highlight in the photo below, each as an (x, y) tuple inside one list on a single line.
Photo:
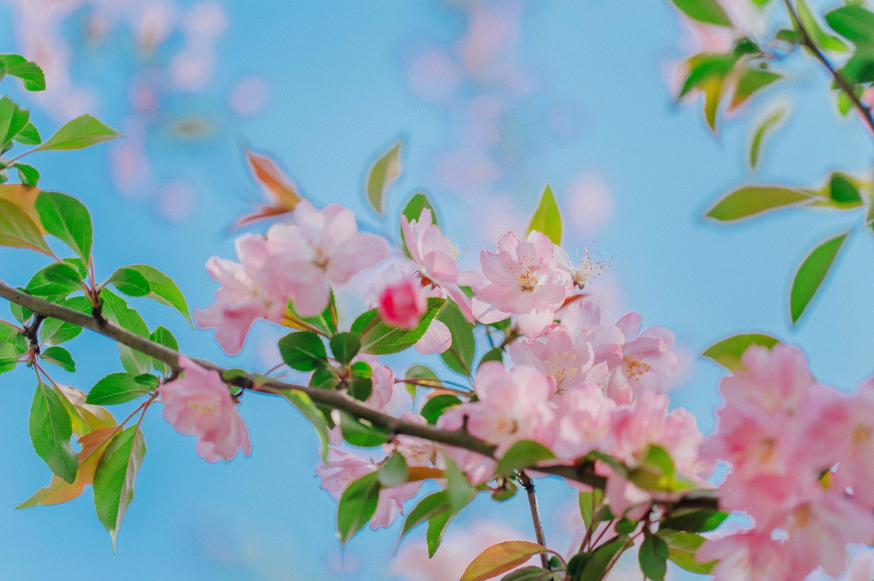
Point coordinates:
[(493, 99)]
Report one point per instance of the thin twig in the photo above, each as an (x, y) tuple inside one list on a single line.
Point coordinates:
[(842, 82), (535, 516), (332, 399)]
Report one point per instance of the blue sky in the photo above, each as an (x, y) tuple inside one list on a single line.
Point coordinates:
[(338, 94)]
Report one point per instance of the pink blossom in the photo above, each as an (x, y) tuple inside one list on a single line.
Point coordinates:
[(856, 464), (583, 421), (512, 406), (435, 258), (751, 556), (437, 339), (523, 278), (342, 469), (246, 294), (647, 360), (568, 363), (582, 319), (416, 451), (321, 248), (200, 404), (402, 304), (820, 531)]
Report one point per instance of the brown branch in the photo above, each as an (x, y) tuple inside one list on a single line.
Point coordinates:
[(535, 516), (332, 399), (842, 82)]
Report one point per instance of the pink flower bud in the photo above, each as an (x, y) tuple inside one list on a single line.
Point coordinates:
[(402, 304)]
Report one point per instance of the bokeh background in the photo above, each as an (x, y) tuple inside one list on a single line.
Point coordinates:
[(493, 99)]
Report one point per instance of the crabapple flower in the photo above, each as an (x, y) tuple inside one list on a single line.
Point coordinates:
[(246, 294), (321, 248), (200, 404), (521, 278), (437, 339), (416, 451), (402, 304), (856, 465), (751, 556), (435, 259), (583, 274), (512, 406), (583, 421), (342, 469), (647, 360), (582, 320), (569, 364)]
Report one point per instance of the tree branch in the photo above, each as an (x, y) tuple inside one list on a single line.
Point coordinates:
[(332, 399), (535, 516), (841, 81)]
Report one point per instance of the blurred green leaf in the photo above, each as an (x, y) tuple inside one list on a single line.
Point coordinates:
[(753, 200), (706, 11), (812, 273), (728, 352), (855, 23), (384, 171), (547, 217), (763, 130), (653, 556), (816, 33), (29, 72), (394, 471), (523, 454)]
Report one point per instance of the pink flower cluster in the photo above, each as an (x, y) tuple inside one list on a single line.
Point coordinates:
[(802, 466), (297, 262)]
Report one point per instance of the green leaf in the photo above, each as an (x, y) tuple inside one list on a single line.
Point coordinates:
[(812, 273), (81, 132), (162, 289), (115, 477), (361, 388), (55, 331), (67, 219), (603, 558), (751, 80), (459, 356), (384, 171), (10, 354), (50, 432), (436, 527), (377, 338), (325, 378), (393, 472), (57, 280), (529, 574), (12, 120), (325, 322), (695, 521), (117, 388), (653, 556), (29, 72), (163, 336), (843, 191), (362, 433), (523, 454), (705, 68), (429, 507), (345, 346), (18, 230), (436, 405), (854, 23), (589, 503), (753, 200), (27, 174), (728, 352), (303, 351), (130, 282), (547, 217), (682, 548), (816, 33), (706, 11), (310, 411), (29, 135), (357, 506), (763, 130), (869, 216), (686, 560), (60, 357), (117, 311)]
